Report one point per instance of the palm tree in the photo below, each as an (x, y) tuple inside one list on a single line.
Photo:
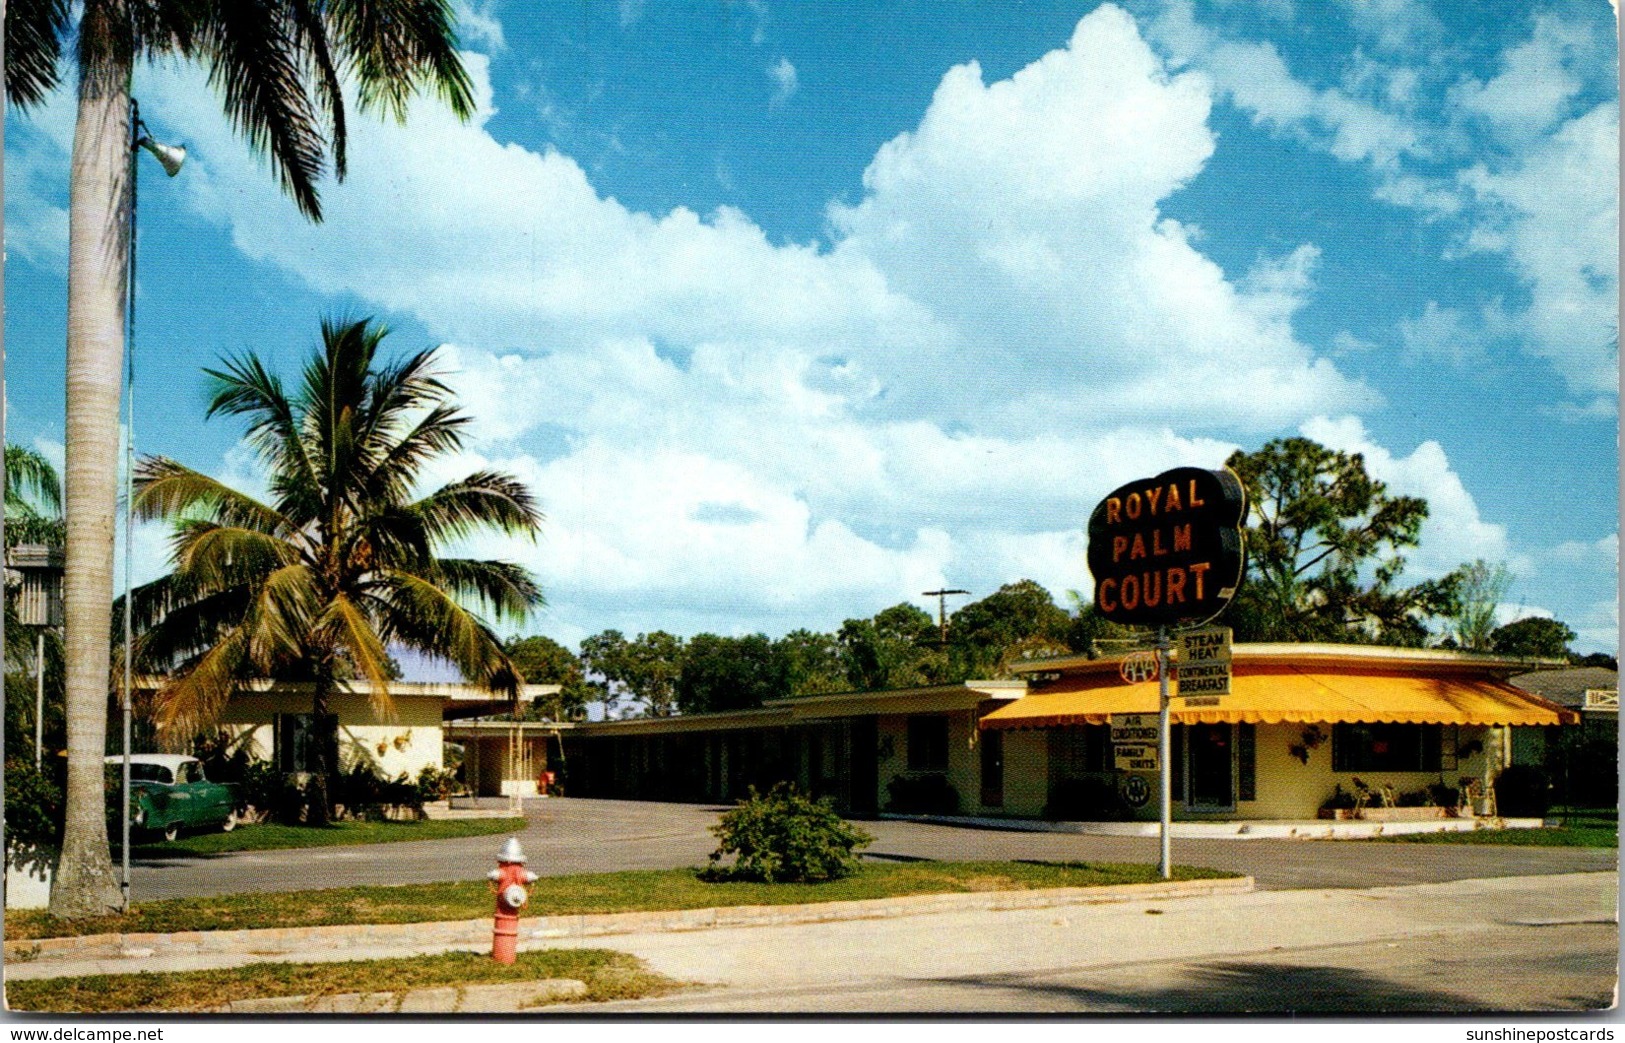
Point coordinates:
[(343, 561), (277, 65), (33, 498)]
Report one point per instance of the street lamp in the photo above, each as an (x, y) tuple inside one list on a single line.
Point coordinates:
[(170, 157)]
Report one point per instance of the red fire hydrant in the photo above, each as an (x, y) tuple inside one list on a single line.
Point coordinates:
[(510, 880)]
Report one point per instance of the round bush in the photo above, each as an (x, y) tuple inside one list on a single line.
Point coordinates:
[(785, 837)]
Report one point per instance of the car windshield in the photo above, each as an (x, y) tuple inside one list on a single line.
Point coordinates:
[(151, 773)]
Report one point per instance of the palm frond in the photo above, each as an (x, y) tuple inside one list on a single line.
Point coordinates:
[(394, 392), (194, 698), (170, 633), (165, 488), (244, 387), (32, 487), (282, 618), (212, 556), (333, 400), (418, 614), (353, 632), (34, 33), (483, 500), (311, 35), (254, 61), (396, 470), (396, 47), (505, 590)]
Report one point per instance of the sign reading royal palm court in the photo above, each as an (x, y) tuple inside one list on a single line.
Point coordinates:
[(1168, 549)]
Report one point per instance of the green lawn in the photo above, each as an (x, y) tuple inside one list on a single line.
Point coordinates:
[(272, 837), (608, 976), (586, 893)]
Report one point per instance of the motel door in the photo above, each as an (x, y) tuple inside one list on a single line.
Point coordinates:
[(1209, 761)]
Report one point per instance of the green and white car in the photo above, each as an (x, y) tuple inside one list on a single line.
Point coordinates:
[(169, 793)]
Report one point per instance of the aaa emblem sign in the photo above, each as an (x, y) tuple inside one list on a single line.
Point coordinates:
[(1168, 549)]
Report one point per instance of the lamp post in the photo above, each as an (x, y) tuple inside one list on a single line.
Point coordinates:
[(170, 157)]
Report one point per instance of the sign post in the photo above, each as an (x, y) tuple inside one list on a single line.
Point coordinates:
[(1165, 858), (1167, 552)]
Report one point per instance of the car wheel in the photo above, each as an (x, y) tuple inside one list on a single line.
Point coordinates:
[(172, 832), (230, 823)]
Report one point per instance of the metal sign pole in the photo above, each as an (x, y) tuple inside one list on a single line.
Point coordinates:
[(1165, 754), (39, 698)]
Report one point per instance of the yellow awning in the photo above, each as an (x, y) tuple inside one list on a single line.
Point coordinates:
[(1293, 695)]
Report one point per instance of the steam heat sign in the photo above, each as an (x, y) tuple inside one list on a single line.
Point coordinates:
[(1168, 550)]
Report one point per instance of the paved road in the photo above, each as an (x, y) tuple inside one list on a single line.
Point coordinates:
[(573, 835), (1465, 946)]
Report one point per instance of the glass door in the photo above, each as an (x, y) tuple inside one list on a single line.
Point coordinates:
[(1210, 767)]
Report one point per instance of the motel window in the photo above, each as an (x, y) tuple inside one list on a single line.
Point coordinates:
[(928, 742), (296, 737), (1385, 747)]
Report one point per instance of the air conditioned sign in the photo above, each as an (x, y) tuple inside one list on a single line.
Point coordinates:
[(1134, 741), (1168, 549)]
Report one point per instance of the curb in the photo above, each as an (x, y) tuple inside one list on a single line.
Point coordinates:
[(261, 943), (505, 998), (1317, 829)]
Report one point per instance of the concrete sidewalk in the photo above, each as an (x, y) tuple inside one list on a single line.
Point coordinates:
[(198, 950), (1534, 943)]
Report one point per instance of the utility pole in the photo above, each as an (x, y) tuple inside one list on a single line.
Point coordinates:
[(942, 613)]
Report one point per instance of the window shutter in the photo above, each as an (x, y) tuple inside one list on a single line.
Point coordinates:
[(1246, 769)]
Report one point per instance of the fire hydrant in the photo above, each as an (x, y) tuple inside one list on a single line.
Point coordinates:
[(510, 880)]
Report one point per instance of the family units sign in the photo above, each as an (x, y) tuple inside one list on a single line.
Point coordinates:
[(1166, 551)]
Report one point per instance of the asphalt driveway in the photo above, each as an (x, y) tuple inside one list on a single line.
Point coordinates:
[(575, 835)]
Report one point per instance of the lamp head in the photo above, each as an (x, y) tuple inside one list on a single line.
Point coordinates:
[(170, 157)]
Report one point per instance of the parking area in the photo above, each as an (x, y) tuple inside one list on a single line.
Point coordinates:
[(574, 835)]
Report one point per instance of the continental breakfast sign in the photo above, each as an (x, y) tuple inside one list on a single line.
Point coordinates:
[(1204, 662), (1134, 741)]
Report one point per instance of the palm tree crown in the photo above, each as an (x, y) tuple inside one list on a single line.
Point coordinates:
[(279, 65), (344, 560)]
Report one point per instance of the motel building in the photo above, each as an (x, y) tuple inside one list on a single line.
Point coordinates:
[(1376, 730), (1302, 724), (272, 721)]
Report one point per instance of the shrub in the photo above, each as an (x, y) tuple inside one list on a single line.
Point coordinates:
[(34, 809), (1340, 800), (784, 837), (258, 786), (1418, 798), (929, 794), (1522, 791), (1088, 798), (1444, 796), (367, 794), (435, 784)]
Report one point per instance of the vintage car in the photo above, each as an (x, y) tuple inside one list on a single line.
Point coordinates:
[(169, 793)]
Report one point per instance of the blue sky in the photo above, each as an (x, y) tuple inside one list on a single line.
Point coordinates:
[(791, 311)]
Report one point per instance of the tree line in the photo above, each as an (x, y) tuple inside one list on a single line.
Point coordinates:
[(1326, 544)]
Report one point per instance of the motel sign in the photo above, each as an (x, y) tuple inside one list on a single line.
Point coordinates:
[(1168, 550)]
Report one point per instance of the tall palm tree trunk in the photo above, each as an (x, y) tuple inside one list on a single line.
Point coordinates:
[(98, 247), (318, 795)]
